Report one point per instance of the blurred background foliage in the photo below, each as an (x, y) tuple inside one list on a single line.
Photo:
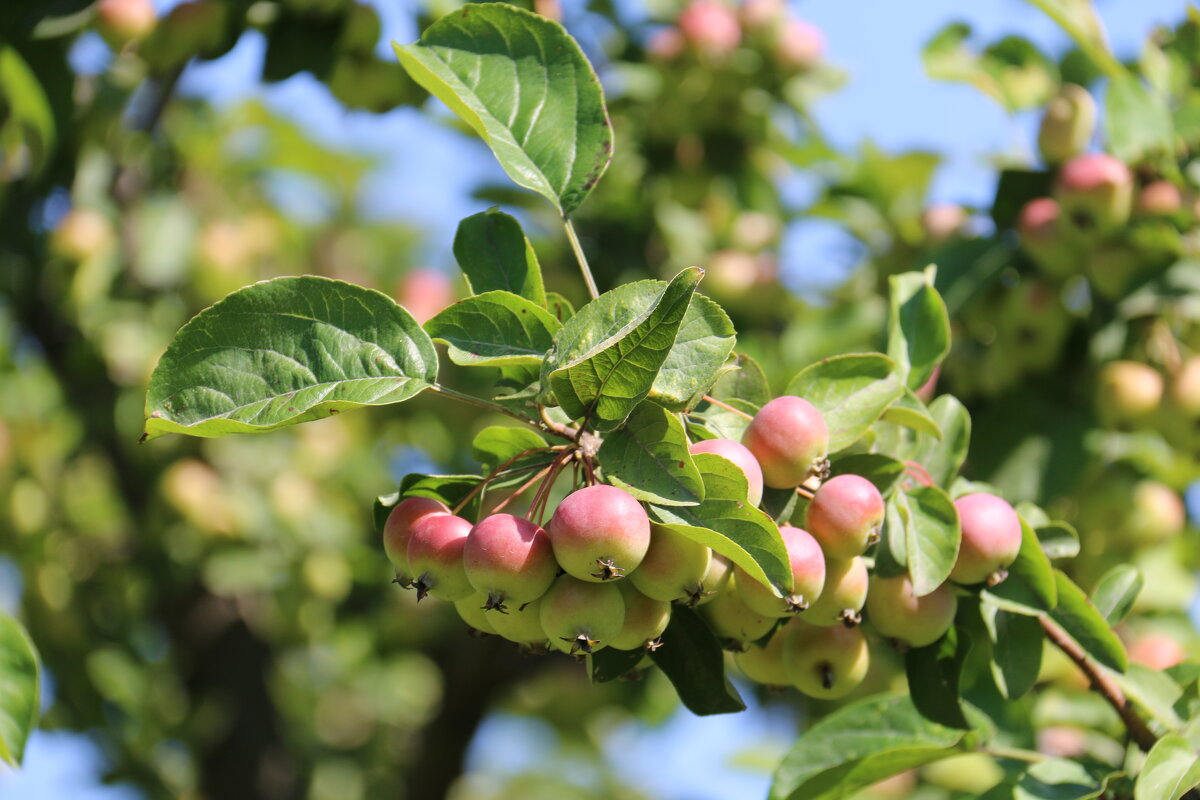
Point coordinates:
[(217, 616)]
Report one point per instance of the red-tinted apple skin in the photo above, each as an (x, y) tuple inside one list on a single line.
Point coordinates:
[(787, 436), (425, 293), (845, 516), (582, 615), (1043, 238), (764, 665), (808, 577), (673, 568), (741, 457), (897, 614), (991, 538), (599, 533), (845, 593), (1158, 651), (509, 559), (800, 45), (398, 529), (711, 27), (824, 663), (121, 21), (941, 221), (1159, 199), (1095, 192), (645, 619), (734, 621), (435, 557)]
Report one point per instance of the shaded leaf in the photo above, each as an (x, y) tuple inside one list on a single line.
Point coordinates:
[(1058, 540), (1087, 626), (1016, 641), (648, 457), (610, 663), (934, 675), (746, 382), (494, 329), (1116, 591), (492, 251), (881, 470), (692, 659), (931, 535)]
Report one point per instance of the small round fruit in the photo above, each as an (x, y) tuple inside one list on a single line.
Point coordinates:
[(741, 458), (716, 580), (764, 665), (732, 620), (645, 620), (81, 234), (1129, 392), (435, 557), (1156, 514), (582, 615), (1067, 125), (711, 27), (824, 663), (123, 21), (1159, 199), (599, 533), (845, 516), (1041, 230), (918, 621), (522, 625), (799, 46), (845, 594), (991, 538), (1158, 651), (471, 609), (808, 578), (787, 436), (1095, 191), (509, 559), (673, 568), (398, 529), (941, 221), (1185, 388)]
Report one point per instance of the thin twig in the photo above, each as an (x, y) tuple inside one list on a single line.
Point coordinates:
[(477, 488), (1014, 754), (581, 258), (727, 407), (501, 505)]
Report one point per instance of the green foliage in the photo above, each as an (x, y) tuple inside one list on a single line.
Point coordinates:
[(494, 254), (494, 329), (20, 689), (850, 391), (648, 457)]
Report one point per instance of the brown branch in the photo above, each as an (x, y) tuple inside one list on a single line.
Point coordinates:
[(500, 506), (727, 407), (477, 488)]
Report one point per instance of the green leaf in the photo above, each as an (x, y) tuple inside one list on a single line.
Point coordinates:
[(1115, 592), (284, 351), (930, 535), (692, 660), (1030, 587), (934, 676), (881, 470), (496, 444), (1154, 691), (728, 524), (863, 743), (494, 329), (1076, 615), (522, 83), (610, 663), (728, 424), (1170, 770), (1013, 72), (648, 457), (1137, 120), (850, 391), (602, 374), (1058, 540), (746, 382), (705, 339), (559, 306), (909, 411), (1057, 779), (20, 689), (1016, 649), (450, 489), (27, 122), (918, 326), (492, 251)]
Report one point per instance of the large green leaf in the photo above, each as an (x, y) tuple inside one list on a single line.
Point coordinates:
[(923, 534), (285, 351), (745, 382), (20, 688), (494, 254), (934, 675), (1170, 770), (910, 412), (728, 524), (1086, 625), (1115, 592), (691, 658), (881, 470), (494, 329), (865, 742), (1059, 779), (522, 83), (648, 457), (918, 326), (705, 339), (1016, 649), (496, 444), (1137, 120), (600, 373), (1030, 587), (850, 391), (942, 458), (27, 122)]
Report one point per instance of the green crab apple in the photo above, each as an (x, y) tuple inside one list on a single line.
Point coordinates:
[(845, 593), (788, 437), (1157, 513), (397, 530), (1128, 392), (1067, 125), (845, 516), (435, 557), (472, 611), (599, 533), (674, 567), (509, 559), (808, 577), (734, 621), (943, 221), (124, 21), (763, 664), (742, 458), (82, 233), (991, 539), (645, 620), (1185, 388), (1095, 191), (897, 613), (716, 580), (824, 662), (521, 625), (580, 615)]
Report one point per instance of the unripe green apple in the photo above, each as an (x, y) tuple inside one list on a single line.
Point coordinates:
[(582, 615), (1185, 388), (509, 559), (673, 568), (788, 436), (1156, 514), (1159, 198), (124, 21), (971, 773), (645, 619), (898, 614), (1128, 392), (808, 577), (845, 516), (1067, 125), (471, 610), (599, 533), (522, 625), (1112, 267), (764, 665), (435, 557), (1043, 239), (845, 593), (397, 530), (991, 539), (716, 580), (1095, 192), (742, 458), (824, 663), (732, 620)]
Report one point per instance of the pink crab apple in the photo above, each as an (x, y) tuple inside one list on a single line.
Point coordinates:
[(425, 292), (845, 593), (1095, 192), (808, 577), (845, 516), (764, 665), (824, 663), (941, 221), (397, 530), (124, 21), (734, 621), (788, 437), (1156, 513), (742, 458), (898, 614), (711, 27), (521, 625), (1128, 392), (582, 615), (509, 559), (435, 557), (674, 567), (991, 539), (1159, 198), (1067, 125), (665, 44), (799, 45), (645, 620), (1041, 229), (599, 533), (1158, 651), (81, 234), (761, 14)]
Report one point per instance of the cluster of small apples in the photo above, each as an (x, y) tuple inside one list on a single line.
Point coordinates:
[(601, 574), (714, 29)]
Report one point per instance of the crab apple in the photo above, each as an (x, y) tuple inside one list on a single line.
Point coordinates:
[(521, 625), (1159, 199), (799, 45), (716, 580), (788, 436), (898, 614), (845, 593), (665, 44), (1095, 192), (757, 14), (1156, 514), (471, 610), (1041, 229), (81, 234), (711, 27), (742, 458), (764, 665), (599, 533), (123, 21), (808, 577), (730, 618), (1185, 388), (941, 221), (509, 559), (425, 292), (1158, 651), (845, 516), (435, 557), (1129, 392), (398, 529), (645, 620), (673, 568), (582, 615), (1068, 124), (991, 538), (825, 663)]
